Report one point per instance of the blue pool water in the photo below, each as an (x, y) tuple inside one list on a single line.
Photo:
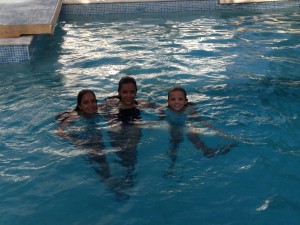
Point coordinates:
[(241, 70)]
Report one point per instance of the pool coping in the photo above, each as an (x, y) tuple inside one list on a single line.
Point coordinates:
[(23, 40)]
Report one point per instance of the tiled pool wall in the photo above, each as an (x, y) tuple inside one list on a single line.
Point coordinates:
[(23, 52), (169, 6), (14, 53)]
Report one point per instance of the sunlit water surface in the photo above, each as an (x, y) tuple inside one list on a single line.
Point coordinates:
[(242, 71)]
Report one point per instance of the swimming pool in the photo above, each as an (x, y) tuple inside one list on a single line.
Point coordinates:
[(241, 71)]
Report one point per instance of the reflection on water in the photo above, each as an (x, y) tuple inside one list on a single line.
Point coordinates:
[(86, 133), (126, 138)]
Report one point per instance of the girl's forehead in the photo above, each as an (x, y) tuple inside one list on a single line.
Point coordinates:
[(88, 95), (128, 86), (176, 93)]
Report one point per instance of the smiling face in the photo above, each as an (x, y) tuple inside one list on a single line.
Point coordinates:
[(88, 103), (127, 93), (177, 100)]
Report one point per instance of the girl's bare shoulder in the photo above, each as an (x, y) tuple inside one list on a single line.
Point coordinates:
[(67, 116), (112, 102), (142, 103)]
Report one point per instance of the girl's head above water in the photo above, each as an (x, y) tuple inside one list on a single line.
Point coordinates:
[(86, 102), (127, 90), (127, 80), (177, 99)]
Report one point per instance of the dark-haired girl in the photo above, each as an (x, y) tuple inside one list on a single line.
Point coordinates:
[(124, 107), (124, 112), (86, 106)]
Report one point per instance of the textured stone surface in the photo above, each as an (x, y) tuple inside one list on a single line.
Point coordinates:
[(28, 17)]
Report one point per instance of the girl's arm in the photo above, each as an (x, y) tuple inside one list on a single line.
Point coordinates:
[(65, 119), (142, 103)]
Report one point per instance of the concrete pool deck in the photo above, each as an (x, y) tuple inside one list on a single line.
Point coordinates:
[(23, 20), (23, 17)]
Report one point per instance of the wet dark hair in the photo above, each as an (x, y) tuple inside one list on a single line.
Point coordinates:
[(177, 88), (80, 96), (126, 80)]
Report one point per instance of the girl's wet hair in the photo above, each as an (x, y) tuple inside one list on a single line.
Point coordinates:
[(80, 96), (177, 88)]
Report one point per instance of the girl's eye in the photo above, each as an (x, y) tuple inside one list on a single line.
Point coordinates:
[(87, 102)]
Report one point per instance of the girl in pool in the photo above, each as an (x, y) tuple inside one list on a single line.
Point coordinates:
[(124, 113), (86, 106), (176, 113), (178, 106), (124, 107), (81, 126)]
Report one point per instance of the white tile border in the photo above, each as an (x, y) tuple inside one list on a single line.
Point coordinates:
[(75, 2)]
